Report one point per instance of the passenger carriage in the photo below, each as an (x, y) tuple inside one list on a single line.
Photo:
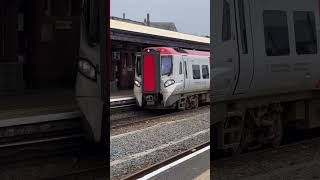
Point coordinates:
[(172, 78)]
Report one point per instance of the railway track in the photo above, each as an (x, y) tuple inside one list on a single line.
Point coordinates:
[(261, 151), (122, 103), (154, 167), (98, 171), (291, 139), (152, 117)]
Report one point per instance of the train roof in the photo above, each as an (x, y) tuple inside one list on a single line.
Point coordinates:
[(175, 51)]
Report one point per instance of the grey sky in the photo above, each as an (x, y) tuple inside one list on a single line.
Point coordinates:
[(190, 16)]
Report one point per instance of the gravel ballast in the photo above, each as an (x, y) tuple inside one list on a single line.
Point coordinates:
[(137, 149)]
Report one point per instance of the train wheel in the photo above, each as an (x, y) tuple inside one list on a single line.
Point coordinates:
[(181, 104), (196, 102), (244, 144), (278, 130), (188, 103)]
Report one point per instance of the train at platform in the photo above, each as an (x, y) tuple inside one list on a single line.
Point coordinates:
[(265, 73), (172, 78)]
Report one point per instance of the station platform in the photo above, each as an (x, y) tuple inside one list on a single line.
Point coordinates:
[(121, 94), (196, 167), (122, 98)]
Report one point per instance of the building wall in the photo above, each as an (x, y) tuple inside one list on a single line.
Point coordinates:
[(123, 64)]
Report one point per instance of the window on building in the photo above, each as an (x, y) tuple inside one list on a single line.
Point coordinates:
[(305, 32), (180, 68), (226, 22), (196, 71), (60, 8), (276, 33), (205, 72)]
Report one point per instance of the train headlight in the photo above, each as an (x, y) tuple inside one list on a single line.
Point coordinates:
[(137, 83), (169, 83), (86, 68)]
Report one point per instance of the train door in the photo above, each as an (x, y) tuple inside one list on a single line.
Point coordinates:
[(195, 75), (180, 74), (245, 45), (225, 48), (186, 74), (138, 69), (91, 78)]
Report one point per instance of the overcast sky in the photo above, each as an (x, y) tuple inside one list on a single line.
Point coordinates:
[(190, 16)]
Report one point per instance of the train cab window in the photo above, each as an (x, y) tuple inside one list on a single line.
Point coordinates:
[(138, 65), (305, 32), (205, 72), (166, 65), (196, 71), (276, 33), (180, 68), (226, 22)]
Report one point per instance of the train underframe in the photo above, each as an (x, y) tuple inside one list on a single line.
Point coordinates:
[(179, 101), (246, 124)]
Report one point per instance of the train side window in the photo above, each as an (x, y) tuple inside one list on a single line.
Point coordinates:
[(205, 72), (196, 71), (305, 32), (138, 65), (226, 22), (186, 69), (243, 30), (180, 68), (276, 33)]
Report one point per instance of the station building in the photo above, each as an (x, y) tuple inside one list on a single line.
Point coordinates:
[(128, 38), (32, 32)]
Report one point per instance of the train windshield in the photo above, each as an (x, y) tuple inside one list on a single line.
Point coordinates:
[(166, 65)]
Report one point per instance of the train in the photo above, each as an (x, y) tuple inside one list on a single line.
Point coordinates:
[(172, 78), (265, 71), (53, 70)]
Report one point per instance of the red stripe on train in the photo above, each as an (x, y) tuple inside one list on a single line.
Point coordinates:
[(171, 51), (149, 73)]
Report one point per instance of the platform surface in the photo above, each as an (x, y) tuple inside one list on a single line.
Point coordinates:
[(197, 168), (121, 94), (34, 104)]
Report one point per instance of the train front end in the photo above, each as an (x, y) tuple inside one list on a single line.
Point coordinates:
[(147, 78)]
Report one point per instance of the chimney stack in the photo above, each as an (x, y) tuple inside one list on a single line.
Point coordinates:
[(148, 19), (124, 15)]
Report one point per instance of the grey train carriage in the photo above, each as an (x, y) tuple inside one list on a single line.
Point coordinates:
[(167, 78), (265, 70)]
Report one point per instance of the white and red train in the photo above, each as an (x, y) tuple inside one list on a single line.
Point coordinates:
[(172, 78)]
